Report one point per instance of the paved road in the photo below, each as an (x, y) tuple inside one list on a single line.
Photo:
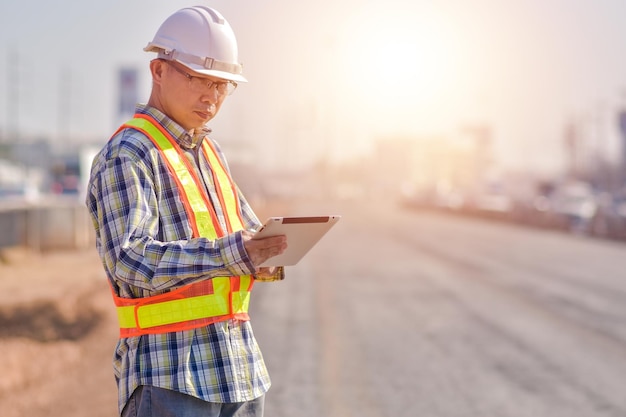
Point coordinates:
[(398, 313)]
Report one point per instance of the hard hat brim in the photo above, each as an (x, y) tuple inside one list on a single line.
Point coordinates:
[(215, 73)]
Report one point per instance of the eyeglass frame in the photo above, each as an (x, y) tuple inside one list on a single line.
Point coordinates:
[(206, 83)]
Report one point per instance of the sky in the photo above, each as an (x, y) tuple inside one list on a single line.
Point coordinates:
[(328, 78)]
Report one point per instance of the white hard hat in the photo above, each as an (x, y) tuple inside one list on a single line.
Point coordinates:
[(201, 39)]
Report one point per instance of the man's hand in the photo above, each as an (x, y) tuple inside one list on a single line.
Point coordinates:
[(260, 250)]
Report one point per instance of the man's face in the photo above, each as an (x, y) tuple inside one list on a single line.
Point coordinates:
[(187, 97)]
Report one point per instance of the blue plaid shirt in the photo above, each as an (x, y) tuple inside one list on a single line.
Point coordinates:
[(144, 238)]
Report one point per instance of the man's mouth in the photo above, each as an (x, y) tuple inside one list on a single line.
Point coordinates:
[(203, 114)]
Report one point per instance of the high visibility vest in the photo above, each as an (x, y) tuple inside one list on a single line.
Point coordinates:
[(207, 301)]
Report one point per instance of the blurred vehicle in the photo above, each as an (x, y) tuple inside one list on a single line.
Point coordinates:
[(610, 219), (570, 206)]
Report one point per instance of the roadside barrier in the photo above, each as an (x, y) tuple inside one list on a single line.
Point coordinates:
[(47, 224)]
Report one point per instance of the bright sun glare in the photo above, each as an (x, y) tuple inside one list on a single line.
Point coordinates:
[(397, 63), (404, 60)]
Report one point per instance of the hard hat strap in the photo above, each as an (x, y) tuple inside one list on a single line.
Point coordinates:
[(206, 62)]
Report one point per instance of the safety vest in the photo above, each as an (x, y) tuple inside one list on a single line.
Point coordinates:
[(207, 301)]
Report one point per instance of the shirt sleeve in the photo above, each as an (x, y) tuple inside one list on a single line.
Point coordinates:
[(124, 205)]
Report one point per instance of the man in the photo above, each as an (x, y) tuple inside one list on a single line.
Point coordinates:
[(174, 235)]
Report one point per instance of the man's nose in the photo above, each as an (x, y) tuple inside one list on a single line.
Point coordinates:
[(211, 95)]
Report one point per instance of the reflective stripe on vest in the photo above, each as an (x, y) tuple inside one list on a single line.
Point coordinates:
[(208, 301)]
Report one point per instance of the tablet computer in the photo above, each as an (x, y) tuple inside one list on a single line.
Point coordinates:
[(302, 234)]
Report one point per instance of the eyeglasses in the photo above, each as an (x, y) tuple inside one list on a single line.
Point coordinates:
[(202, 85)]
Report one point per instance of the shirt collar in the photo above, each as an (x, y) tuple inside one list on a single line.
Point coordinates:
[(196, 136), (186, 139)]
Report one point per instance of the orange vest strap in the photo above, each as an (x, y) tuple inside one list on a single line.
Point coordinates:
[(227, 192), (189, 307)]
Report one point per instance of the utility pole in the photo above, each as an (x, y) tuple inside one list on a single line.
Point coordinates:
[(63, 115), (13, 102), (621, 120), (571, 140)]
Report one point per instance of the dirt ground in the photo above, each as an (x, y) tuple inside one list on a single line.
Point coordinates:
[(57, 334)]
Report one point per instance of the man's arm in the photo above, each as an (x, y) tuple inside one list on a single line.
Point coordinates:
[(125, 206)]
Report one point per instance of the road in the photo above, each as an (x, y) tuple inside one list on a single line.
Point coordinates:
[(403, 313)]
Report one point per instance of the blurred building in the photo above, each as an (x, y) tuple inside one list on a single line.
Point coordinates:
[(128, 93)]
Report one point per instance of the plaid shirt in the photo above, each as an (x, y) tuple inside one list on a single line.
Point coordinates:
[(144, 238)]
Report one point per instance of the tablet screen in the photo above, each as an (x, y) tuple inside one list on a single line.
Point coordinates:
[(302, 234)]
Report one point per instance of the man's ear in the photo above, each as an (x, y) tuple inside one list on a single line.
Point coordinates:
[(157, 68)]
